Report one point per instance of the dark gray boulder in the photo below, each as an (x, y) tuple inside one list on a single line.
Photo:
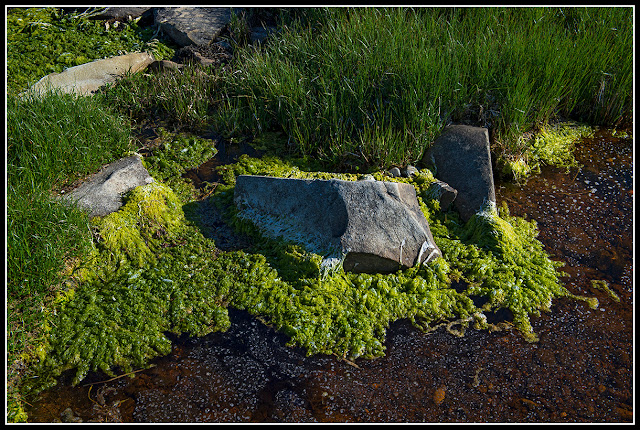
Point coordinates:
[(460, 156), (375, 226), (102, 193), (192, 25)]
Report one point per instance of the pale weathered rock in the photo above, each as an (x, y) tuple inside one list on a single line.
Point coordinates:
[(85, 79), (376, 226), (102, 193), (461, 158), (192, 25)]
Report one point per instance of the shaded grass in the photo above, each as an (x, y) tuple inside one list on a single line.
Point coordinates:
[(183, 99)]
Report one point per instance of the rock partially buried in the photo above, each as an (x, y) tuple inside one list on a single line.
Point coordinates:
[(102, 193), (444, 192), (376, 226), (192, 25), (462, 159), (85, 79), (121, 13)]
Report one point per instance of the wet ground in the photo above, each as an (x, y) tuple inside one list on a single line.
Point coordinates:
[(579, 371)]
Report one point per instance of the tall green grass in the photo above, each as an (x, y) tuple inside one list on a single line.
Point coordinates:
[(51, 142), (183, 99), (382, 82)]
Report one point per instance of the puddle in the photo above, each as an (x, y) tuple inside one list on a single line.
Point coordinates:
[(228, 153), (579, 371)]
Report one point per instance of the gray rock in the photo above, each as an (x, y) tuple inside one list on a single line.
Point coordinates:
[(394, 172), (444, 192), (85, 79), (408, 171), (102, 193), (260, 34), (226, 46), (164, 66), (461, 158), (121, 13), (375, 226), (192, 25)]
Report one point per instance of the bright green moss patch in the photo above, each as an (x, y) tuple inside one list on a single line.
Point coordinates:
[(553, 145), (151, 273), (497, 255), (151, 216), (154, 272)]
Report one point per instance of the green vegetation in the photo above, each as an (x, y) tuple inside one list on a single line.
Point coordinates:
[(150, 273), (337, 90), (154, 272), (183, 100), (551, 145), (382, 82), (602, 285), (47, 40), (51, 142)]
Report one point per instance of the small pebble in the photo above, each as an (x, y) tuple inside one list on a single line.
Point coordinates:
[(394, 172), (439, 394), (409, 171)]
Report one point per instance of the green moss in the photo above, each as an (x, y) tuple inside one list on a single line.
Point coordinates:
[(46, 40), (552, 145), (603, 285), (176, 155), (154, 272), (151, 215), (501, 259), (497, 255)]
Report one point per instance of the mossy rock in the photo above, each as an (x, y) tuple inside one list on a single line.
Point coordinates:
[(154, 272)]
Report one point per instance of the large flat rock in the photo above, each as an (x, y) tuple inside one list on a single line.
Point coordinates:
[(461, 157), (377, 226), (102, 193), (86, 78), (192, 25)]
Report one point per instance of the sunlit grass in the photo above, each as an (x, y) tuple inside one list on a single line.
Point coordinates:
[(382, 82)]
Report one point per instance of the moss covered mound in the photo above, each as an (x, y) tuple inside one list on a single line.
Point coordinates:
[(154, 272)]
